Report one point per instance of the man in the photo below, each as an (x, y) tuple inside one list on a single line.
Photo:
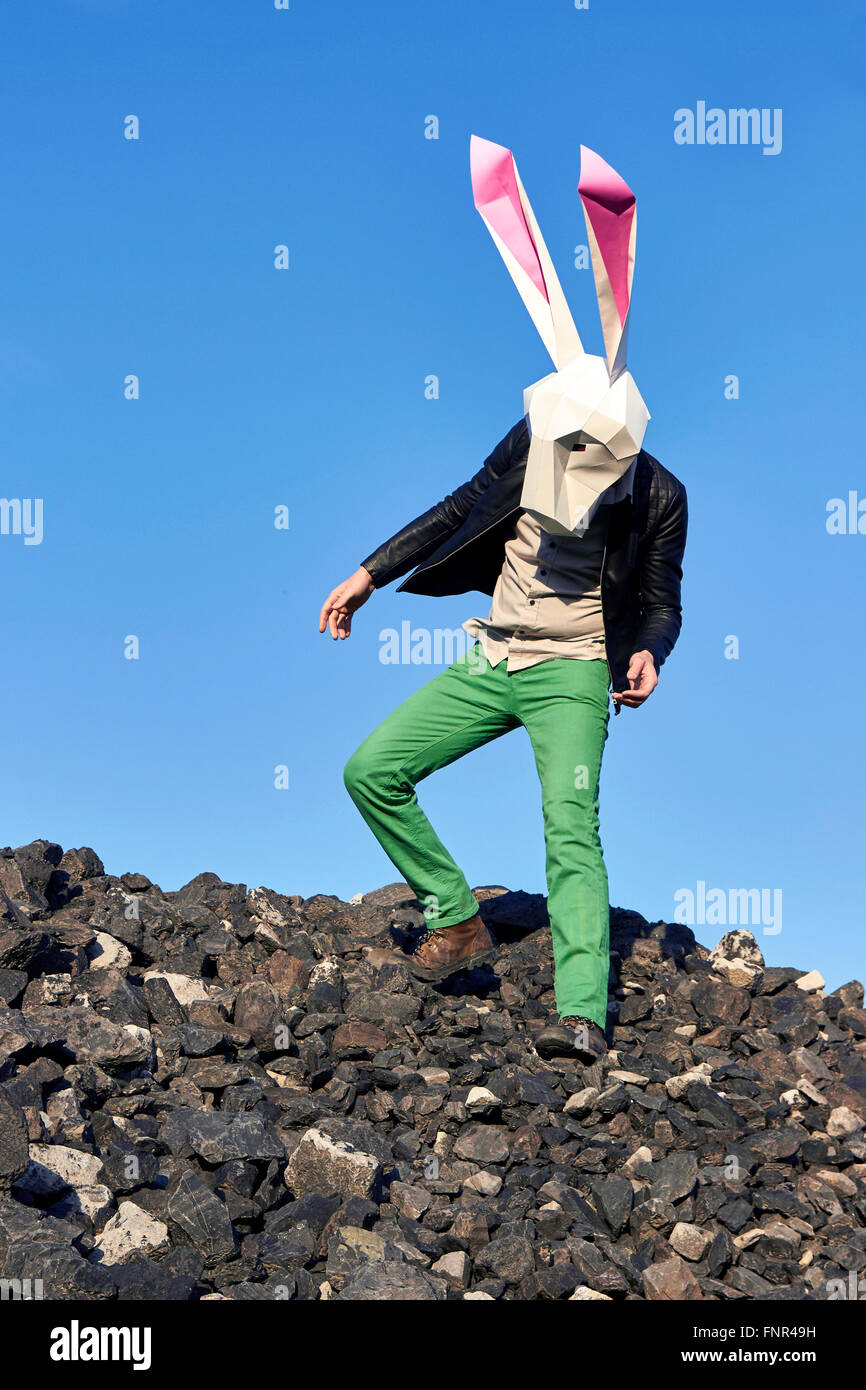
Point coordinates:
[(571, 617)]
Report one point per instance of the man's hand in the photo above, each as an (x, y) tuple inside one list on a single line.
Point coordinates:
[(342, 602), (642, 679)]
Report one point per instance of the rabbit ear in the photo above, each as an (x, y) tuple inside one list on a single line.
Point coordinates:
[(501, 199), (611, 224)]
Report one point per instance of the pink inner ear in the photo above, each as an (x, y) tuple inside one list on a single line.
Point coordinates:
[(497, 198), (609, 204)]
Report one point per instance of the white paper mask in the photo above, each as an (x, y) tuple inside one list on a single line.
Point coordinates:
[(587, 401)]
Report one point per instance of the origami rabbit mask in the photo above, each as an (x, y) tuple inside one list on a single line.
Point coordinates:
[(586, 419)]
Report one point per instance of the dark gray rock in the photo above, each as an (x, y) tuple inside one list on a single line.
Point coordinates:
[(483, 1144), (14, 1145), (202, 1217), (391, 1281), (81, 1035), (21, 943), (510, 1258), (614, 1198), (60, 1269), (219, 1138)]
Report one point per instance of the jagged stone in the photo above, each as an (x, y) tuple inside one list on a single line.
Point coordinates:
[(690, 1241), (322, 1164), (392, 1281), (614, 1198), (672, 1178), (129, 1231), (671, 1279), (14, 1149), (482, 1144), (91, 1200), (54, 1168), (203, 1217), (842, 1122), (510, 1258)]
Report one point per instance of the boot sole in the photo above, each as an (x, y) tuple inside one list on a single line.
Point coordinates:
[(443, 972), (549, 1051), (564, 1056)]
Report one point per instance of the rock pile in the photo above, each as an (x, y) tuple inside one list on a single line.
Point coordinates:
[(216, 1093)]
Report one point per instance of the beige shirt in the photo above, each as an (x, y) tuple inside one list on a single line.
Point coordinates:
[(547, 600)]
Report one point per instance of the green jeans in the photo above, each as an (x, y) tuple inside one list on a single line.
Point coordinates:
[(563, 705)]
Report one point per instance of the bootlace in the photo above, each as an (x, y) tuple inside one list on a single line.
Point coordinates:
[(423, 942)]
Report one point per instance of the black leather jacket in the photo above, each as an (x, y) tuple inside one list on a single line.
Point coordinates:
[(459, 545)]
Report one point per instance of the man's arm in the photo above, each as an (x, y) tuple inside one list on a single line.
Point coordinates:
[(661, 576), (416, 542)]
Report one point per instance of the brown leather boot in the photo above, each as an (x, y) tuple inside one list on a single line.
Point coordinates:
[(448, 949)]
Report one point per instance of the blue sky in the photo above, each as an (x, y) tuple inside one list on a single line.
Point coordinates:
[(305, 388)]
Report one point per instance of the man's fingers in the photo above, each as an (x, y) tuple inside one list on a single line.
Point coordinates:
[(643, 680), (340, 623), (336, 614), (329, 604)]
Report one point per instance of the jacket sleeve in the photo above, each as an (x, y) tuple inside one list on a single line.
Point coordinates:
[(661, 575), (414, 543)]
